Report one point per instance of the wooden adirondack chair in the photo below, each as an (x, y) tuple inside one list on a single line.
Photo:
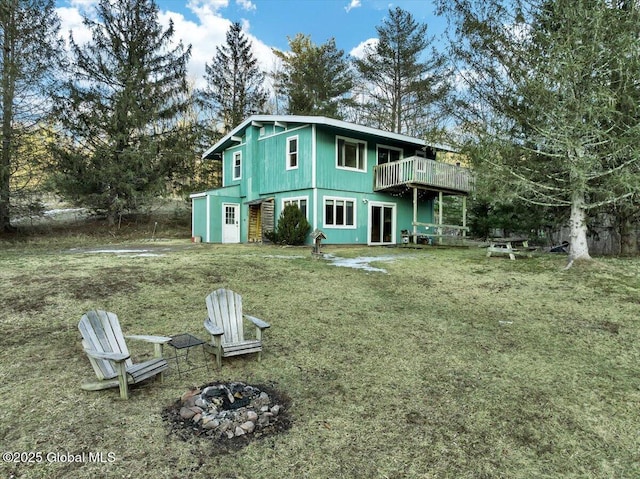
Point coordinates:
[(225, 324), (105, 345)]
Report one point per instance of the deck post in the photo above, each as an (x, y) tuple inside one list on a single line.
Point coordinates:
[(415, 215), (440, 217)]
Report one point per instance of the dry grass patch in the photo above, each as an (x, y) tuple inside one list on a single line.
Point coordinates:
[(449, 365)]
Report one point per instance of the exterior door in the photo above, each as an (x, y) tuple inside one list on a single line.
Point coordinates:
[(382, 223), (230, 223)]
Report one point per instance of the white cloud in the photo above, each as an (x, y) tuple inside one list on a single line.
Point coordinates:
[(247, 5), (204, 34), (83, 5), (206, 7), (359, 51), (353, 4), (71, 21)]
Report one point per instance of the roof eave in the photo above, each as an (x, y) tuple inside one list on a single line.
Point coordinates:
[(320, 120)]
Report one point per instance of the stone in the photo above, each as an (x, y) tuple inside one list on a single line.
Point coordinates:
[(190, 401), (190, 393), (201, 403), (252, 415), (230, 434), (239, 431), (212, 424), (196, 409), (275, 410), (197, 418), (186, 413), (265, 418), (248, 426)]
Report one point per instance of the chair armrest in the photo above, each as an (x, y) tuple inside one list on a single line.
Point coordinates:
[(258, 322), (150, 339), (117, 357), (212, 328)]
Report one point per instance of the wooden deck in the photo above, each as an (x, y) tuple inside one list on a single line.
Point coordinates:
[(422, 172)]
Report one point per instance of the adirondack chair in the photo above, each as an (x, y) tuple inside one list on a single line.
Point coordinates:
[(225, 324), (105, 346)]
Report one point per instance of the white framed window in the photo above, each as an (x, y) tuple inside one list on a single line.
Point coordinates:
[(237, 165), (339, 212), (387, 154), (351, 154), (300, 201), (292, 152)]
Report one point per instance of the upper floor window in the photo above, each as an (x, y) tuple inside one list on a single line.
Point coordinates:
[(292, 152), (237, 165), (351, 154), (387, 154)]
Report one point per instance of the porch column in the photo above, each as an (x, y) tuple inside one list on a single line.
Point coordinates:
[(440, 217), (415, 215)]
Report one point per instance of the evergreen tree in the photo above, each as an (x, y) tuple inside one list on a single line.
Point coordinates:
[(235, 84), (121, 110), (546, 85), (403, 89), (31, 54), (315, 79)]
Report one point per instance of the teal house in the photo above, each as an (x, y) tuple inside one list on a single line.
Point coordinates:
[(356, 184)]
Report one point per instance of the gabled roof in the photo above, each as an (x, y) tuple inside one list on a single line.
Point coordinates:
[(232, 136)]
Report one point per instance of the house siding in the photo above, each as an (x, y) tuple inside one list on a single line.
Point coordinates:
[(264, 174)]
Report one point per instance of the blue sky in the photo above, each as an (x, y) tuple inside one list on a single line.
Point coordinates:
[(268, 23)]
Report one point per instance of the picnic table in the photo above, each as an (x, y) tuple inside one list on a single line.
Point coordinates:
[(510, 246)]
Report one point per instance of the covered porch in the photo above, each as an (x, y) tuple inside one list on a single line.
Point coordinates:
[(442, 179)]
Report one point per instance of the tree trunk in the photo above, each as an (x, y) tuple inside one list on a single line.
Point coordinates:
[(7, 118), (579, 249)]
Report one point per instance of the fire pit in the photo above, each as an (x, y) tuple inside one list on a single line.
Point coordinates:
[(229, 412)]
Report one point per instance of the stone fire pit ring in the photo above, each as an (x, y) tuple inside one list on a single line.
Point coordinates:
[(232, 412)]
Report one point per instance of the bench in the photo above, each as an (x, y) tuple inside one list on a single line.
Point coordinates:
[(511, 247)]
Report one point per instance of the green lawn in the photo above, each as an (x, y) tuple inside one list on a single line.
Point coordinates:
[(450, 365)]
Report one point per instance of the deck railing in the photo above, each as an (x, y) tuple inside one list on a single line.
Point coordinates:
[(422, 171)]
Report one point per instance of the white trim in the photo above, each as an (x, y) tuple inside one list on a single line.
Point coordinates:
[(284, 132), (394, 220), (321, 120), (314, 186), (291, 199), (288, 153), (198, 195), (224, 221), (359, 142), (208, 222), (340, 198), (233, 165)]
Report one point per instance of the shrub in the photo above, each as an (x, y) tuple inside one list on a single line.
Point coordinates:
[(292, 227)]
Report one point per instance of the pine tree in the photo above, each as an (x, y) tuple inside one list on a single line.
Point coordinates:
[(121, 110), (235, 84), (31, 54), (403, 89), (315, 79), (549, 103)]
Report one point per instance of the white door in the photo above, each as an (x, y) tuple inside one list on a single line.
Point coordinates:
[(382, 223), (230, 223)]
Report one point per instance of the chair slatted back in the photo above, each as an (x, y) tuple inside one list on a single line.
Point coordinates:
[(225, 310), (101, 332)]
